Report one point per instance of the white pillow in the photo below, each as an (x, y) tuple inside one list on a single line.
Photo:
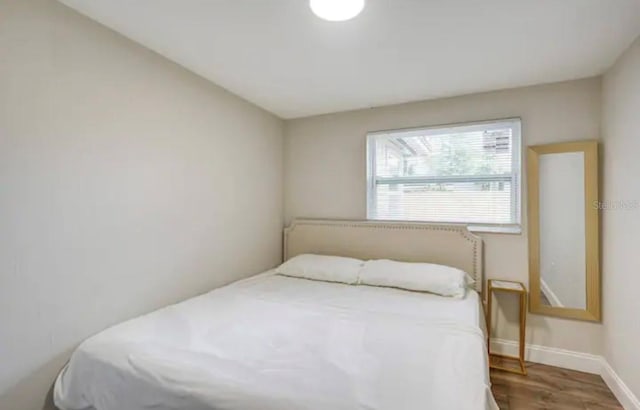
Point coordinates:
[(321, 267), (424, 277)]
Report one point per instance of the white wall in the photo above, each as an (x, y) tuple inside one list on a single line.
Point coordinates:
[(621, 226), (326, 174), (126, 183)]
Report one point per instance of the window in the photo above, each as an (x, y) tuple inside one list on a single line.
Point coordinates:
[(454, 174)]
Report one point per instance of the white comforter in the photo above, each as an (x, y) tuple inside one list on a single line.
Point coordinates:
[(278, 343)]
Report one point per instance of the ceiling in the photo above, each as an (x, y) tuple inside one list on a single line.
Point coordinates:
[(278, 55)]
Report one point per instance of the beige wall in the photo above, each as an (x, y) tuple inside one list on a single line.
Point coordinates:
[(621, 264), (126, 183), (325, 174)]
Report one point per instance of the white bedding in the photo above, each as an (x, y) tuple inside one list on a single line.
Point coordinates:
[(279, 343)]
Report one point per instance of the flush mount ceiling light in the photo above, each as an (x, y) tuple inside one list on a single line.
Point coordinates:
[(336, 10)]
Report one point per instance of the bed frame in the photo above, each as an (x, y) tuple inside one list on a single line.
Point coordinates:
[(451, 245)]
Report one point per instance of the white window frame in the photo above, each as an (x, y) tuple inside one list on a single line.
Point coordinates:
[(515, 177)]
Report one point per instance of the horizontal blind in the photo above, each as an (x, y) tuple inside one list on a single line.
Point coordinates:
[(457, 174)]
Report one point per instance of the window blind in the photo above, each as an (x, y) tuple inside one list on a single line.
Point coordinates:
[(455, 174)]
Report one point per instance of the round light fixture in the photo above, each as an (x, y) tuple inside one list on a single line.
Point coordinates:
[(336, 10)]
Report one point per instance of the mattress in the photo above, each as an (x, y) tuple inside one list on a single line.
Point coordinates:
[(277, 343)]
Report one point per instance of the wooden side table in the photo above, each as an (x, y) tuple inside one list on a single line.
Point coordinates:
[(512, 287)]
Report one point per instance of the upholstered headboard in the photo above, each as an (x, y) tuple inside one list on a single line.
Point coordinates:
[(451, 245)]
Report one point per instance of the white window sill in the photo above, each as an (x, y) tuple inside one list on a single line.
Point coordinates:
[(504, 229), (514, 229)]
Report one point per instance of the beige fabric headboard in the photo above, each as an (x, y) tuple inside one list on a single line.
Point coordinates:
[(451, 245)]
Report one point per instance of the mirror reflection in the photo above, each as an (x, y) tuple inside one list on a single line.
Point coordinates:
[(562, 230)]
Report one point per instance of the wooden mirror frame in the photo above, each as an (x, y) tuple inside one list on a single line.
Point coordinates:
[(592, 247)]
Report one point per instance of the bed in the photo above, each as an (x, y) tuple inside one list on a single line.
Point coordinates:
[(272, 342)]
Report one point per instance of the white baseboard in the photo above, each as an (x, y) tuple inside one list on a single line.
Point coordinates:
[(624, 395), (568, 359), (551, 356)]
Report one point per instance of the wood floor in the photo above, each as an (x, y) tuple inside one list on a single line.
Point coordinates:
[(551, 388)]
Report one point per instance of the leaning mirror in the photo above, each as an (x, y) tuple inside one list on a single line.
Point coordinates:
[(563, 230)]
